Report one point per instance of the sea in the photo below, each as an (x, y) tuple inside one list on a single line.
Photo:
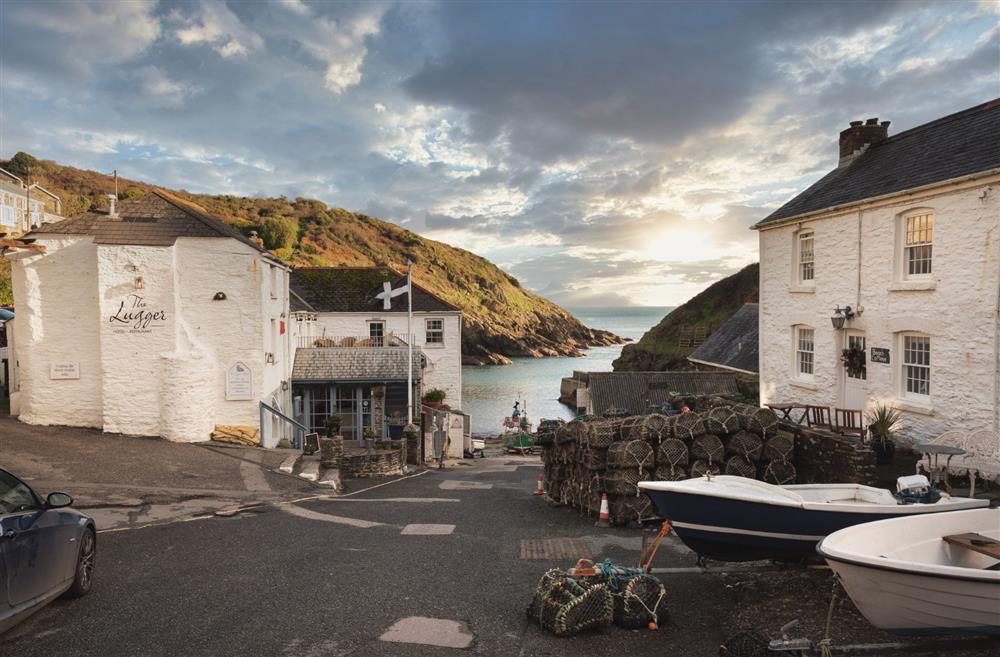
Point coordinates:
[(489, 392)]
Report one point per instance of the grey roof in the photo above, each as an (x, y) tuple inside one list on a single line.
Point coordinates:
[(354, 364), (156, 218), (734, 344), (353, 289), (634, 391), (951, 147)]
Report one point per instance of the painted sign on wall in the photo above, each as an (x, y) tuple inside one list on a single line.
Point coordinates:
[(880, 355), (64, 370), (134, 315), (239, 382)]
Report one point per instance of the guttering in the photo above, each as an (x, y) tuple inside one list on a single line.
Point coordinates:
[(722, 367), (873, 199)]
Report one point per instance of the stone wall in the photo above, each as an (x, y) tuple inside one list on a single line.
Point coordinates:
[(821, 457), (376, 464)]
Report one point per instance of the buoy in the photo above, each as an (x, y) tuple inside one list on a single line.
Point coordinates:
[(603, 519), (652, 625), (539, 488)]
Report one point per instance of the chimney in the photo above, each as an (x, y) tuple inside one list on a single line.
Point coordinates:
[(859, 136), (112, 199)]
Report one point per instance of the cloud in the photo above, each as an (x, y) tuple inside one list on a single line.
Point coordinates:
[(214, 24)]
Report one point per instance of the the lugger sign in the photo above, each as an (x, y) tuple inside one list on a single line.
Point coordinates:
[(134, 316)]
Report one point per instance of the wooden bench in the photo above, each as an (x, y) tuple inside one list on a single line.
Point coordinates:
[(976, 542)]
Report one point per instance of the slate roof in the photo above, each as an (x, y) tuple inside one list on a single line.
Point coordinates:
[(634, 391), (156, 218), (378, 364), (733, 345), (353, 289), (951, 147)]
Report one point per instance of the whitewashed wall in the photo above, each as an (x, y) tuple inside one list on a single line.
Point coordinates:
[(958, 311), (444, 362)]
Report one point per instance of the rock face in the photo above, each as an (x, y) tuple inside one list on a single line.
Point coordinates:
[(661, 348), (501, 319)]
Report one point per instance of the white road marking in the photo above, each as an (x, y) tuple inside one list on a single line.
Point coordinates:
[(404, 500), (326, 517), (427, 530), (457, 484), (429, 632)]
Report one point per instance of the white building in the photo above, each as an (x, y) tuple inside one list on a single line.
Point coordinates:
[(157, 319), (352, 353), (906, 232), (23, 206)]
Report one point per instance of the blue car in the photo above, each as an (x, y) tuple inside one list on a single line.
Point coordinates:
[(46, 550)]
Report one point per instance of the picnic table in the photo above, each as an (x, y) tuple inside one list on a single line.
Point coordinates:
[(933, 453)]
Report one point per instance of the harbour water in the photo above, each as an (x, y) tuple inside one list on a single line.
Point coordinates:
[(488, 393)]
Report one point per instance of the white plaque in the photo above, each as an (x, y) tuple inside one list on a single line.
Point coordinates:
[(64, 370), (239, 382)]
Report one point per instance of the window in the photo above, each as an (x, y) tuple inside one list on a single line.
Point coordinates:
[(376, 331), (917, 245), (274, 282), (858, 342), (15, 497), (917, 365), (804, 352), (806, 259), (435, 331)]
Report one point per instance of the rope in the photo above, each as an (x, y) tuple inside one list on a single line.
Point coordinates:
[(825, 645)]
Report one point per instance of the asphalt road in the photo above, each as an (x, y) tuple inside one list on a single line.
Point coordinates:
[(329, 577)]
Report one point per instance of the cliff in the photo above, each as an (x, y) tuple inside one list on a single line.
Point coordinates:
[(662, 348), (501, 318)]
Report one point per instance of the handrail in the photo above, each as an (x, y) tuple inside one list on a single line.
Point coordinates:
[(301, 429)]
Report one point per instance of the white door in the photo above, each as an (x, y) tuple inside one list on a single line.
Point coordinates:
[(856, 383)]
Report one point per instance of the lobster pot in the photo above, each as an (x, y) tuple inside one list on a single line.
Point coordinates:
[(689, 426), (545, 439), (625, 428), (634, 455), (568, 607), (624, 482), (550, 426), (739, 466), (746, 444), (568, 433), (655, 428), (672, 452), (779, 447), (780, 473), (723, 420), (670, 473), (700, 468), (601, 434), (629, 509), (636, 603), (594, 458), (708, 447), (761, 420)]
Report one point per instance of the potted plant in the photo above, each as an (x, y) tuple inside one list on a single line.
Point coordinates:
[(854, 361), (434, 398), (882, 423), (332, 424)]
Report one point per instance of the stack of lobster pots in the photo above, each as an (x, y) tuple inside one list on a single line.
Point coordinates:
[(590, 456)]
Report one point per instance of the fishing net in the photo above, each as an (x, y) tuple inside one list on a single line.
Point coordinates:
[(708, 447), (672, 452), (655, 428), (779, 447), (761, 420), (739, 466), (602, 433), (569, 607), (745, 443), (670, 473), (699, 468), (637, 454), (638, 603), (688, 426), (722, 420), (780, 473)]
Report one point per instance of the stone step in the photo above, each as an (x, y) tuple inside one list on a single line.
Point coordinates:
[(330, 477), (288, 465), (309, 469)]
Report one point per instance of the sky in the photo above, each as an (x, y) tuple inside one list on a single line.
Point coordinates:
[(606, 154)]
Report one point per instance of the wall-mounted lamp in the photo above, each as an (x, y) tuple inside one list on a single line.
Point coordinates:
[(140, 284), (840, 316), (219, 296), (284, 385)]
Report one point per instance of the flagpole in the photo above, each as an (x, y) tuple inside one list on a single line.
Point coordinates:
[(409, 342)]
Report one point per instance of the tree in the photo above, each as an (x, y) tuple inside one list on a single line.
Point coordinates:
[(279, 232), (23, 164)]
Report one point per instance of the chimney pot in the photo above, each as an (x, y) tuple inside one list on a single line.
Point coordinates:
[(860, 135), (885, 124), (855, 124), (112, 211), (872, 121)]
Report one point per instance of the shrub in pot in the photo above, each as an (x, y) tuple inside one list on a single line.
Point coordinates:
[(332, 424), (882, 423), (434, 398)]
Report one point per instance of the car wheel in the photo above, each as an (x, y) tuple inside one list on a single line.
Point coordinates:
[(84, 578)]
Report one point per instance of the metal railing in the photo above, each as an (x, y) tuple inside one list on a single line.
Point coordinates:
[(299, 430), (350, 341)]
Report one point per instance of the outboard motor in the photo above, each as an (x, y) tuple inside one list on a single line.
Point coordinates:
[(916, 489)]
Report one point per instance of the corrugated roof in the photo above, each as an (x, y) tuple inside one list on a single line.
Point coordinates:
[(156, 218), (353, 289), (634, 391), (951, 147), (354, 364), (734, 344)]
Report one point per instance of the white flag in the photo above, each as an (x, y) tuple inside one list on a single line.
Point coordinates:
[(388, 292)]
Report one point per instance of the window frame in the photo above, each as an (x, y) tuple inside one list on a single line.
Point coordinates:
[(905, 393), (801, 236), (798, 353), (377, 340), (428, 331), (903, 250)]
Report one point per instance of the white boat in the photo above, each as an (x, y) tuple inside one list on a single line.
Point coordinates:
[(936, 574)]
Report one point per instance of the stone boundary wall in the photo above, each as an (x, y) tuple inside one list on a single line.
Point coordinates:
[(377, 464), (822, 457)]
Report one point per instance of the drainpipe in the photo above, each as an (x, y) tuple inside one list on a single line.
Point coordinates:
[(996, 353)]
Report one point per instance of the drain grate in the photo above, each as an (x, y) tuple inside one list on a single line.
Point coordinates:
[(539, 549)]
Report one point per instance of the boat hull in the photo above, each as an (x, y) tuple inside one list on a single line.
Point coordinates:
[(729, 529)]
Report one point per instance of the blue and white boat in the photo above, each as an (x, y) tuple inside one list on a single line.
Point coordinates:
[(738, 519)]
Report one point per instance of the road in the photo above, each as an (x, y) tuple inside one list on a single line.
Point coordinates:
[(437, 556)]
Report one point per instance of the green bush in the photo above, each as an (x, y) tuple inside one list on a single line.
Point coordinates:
[(279, 232)]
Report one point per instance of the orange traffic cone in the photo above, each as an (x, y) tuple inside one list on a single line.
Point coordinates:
[(539, 489), (603, 519)]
